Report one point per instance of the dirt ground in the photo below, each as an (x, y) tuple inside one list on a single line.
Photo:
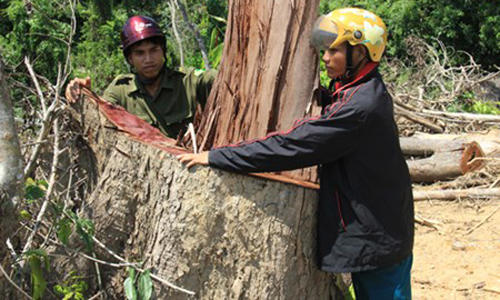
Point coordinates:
[(457, 261)]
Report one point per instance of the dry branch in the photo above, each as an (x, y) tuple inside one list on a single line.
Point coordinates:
[(194, 29), (421, 195), (425, 222), (48, 117), (37, 84), (13, 283), (463, 116), (52, 181), (483, 221), (418, 119), (435, 87), (173, 7)]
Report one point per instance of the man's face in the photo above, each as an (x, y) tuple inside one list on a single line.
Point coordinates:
[(335, 61), (147, 59)]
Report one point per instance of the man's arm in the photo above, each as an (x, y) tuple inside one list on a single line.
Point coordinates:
[(312, 141)]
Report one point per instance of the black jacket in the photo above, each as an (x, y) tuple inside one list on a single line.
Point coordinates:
[(365, 214)]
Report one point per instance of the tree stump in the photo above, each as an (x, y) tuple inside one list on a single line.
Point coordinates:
[(218, 234)]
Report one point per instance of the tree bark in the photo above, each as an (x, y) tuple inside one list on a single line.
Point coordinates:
[(221, 235), (11, 171), (267, 76)]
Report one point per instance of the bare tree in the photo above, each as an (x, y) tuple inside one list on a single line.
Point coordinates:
[(173, 8), (194, 29)]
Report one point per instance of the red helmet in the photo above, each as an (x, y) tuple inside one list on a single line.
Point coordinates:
[(138, 28)]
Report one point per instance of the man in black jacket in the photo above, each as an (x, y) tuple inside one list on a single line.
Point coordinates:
[(365, 215)]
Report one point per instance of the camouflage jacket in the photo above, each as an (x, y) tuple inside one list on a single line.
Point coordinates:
[(174, 105)]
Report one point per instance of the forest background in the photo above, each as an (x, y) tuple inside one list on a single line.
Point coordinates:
[(40, 30)]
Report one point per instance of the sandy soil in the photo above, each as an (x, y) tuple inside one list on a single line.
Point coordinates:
[(452, 262)]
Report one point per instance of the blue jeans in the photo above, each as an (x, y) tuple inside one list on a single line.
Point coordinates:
[(384, 284)]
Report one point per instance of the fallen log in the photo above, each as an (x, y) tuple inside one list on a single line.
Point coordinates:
[(443, 159), (420, 195), (489, 140)]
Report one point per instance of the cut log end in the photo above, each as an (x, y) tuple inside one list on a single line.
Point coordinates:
[(471, 158)]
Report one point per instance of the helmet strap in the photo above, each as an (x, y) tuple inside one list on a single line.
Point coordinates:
[(350, 70)]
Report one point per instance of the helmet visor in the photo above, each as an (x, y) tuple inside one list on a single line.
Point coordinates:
[(324, 33)]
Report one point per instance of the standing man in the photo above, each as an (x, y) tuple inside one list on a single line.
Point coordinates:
[(365, 213), (165, 98)]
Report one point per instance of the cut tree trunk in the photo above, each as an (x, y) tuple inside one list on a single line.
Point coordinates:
[(267, 76), (489, 141), (443, 159), (220, 235)]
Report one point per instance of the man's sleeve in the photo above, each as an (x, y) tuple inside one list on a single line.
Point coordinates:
[(112, 94), (199, 84), (311, 141)]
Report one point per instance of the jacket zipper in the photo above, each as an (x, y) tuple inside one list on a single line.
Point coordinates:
[(340, 210)]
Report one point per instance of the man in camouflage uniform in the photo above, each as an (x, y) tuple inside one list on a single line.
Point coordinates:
[(165, 98)]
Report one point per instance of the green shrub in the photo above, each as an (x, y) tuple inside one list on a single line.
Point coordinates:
[(466, 25)]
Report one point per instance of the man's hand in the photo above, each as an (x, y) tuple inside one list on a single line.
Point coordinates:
[(194, 159), (73, 89)]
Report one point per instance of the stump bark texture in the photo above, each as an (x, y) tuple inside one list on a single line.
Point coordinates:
[(218, 234)]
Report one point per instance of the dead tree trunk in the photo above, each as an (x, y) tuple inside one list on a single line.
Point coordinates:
[(267, 76), (220, 235)]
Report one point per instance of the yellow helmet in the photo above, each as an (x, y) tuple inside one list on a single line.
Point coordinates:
[(354, 25)]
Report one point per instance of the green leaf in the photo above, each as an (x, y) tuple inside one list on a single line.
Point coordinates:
[(68, 296), (131, 273), (145, 286), (25, 215), (218, 19), (38, 282), (215, 55), (40, 253), (130, 291), (85, 229), (64, 230), (72, 288), (34, 189)]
